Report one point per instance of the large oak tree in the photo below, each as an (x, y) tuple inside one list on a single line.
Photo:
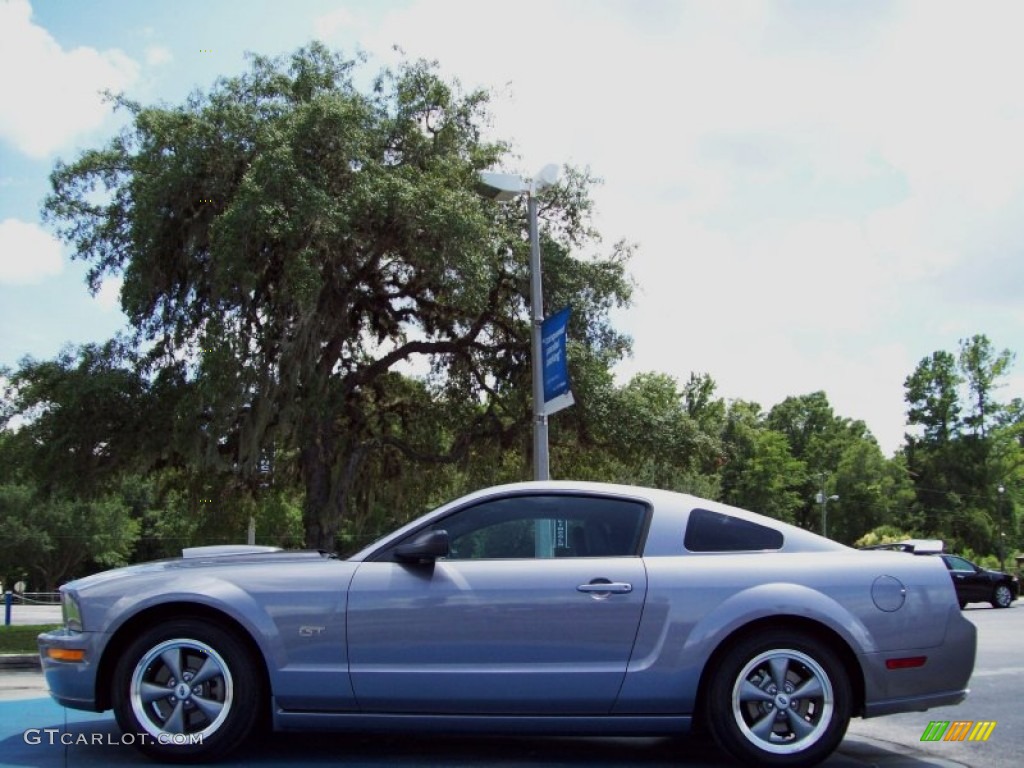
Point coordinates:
[(290, 240)]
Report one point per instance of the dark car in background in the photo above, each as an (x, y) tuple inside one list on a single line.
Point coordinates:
[(973, 583)]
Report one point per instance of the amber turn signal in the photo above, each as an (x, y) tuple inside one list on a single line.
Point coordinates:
[(66, 654)]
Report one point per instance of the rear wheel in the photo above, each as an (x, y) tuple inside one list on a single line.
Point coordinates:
[(1002, 596), (187, 690), (779, 699)]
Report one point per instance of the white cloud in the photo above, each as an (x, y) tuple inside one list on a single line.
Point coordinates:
[(27, 253), (823, 194), (157, 55), (328, 26), (49, 95)]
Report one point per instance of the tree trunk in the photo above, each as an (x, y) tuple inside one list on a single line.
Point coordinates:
[(316, 459), (329, 470)]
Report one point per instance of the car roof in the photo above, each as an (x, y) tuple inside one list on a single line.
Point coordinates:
[(673, 505)]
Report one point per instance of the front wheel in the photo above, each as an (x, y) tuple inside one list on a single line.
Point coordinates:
[(779, 699), (187, 691), (1002, 596)]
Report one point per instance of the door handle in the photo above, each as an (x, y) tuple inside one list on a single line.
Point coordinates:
[(606, 587)]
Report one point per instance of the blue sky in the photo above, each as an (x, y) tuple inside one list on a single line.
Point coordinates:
[(822, 193)]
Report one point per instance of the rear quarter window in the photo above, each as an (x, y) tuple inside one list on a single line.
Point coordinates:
[(708, 531)]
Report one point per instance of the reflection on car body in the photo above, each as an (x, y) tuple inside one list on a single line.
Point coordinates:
[(551, 607)]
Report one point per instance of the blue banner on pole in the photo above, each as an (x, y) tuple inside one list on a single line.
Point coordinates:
[(557, 394)]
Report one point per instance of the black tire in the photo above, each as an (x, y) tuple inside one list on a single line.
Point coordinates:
[(1002, 596), (744, 705), (207, 713), (963, 604)]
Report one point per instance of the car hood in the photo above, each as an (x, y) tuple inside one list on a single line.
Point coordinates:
[(996, 574), (213, 560)]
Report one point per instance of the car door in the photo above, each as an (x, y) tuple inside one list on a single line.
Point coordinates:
[(535, 610), (971, 586)]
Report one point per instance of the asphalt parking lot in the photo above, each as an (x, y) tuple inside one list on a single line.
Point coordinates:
[(889, 742)]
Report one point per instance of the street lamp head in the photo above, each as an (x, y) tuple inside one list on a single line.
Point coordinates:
[(508, 186), (546, 177), (834, 497), (501, 186), (1001, 489)]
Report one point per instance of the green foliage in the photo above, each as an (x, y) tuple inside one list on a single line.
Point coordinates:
[(872, 492), (293, 240), (967, 447), (982, 368), (819, 439), (780, 462), (985, 561), (883, 534), (88, 418), (50, 539), (932, 393), (656, 441), (770, 479), (22, 638), (278, 519), (701, 404)]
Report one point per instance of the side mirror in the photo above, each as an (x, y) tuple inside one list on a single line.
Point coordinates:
[(425, 548)]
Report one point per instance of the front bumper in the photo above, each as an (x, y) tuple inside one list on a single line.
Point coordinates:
[(72, 683)]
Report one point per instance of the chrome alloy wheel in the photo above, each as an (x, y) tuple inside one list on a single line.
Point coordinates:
[(1002, 597), (181, 686), (782, 701)]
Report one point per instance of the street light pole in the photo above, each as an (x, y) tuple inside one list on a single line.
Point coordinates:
[(504, 187), (1002, 536), (541, 462), (824, 500)]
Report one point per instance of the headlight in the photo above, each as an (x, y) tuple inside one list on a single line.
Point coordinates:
[(70, 611)]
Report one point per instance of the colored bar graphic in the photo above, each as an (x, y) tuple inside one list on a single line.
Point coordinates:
[(958, 730), (935, 730), (982, 730)]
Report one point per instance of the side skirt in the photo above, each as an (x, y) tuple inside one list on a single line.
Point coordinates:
[(609, 725)]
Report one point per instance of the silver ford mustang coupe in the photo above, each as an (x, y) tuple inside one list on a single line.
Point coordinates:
[(544, 607)]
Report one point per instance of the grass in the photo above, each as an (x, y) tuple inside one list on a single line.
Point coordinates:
[(15, 639)]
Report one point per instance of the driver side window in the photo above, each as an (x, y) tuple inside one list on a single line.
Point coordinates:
[(526, 527), (501, 541)]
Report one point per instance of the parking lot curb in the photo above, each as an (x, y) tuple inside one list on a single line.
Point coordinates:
[(19, 661)]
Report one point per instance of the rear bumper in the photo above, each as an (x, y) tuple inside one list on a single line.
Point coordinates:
[(940, 682), (916, 703)]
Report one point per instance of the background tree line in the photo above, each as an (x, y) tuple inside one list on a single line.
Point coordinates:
[(328, 333)]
